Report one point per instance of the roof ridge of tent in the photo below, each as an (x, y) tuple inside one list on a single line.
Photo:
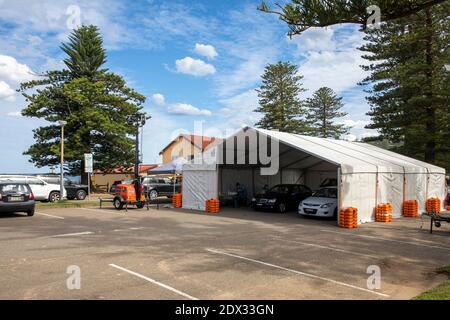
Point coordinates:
[(294, 146), (307, 139), (340, 163), (347, 144), (419, 163)]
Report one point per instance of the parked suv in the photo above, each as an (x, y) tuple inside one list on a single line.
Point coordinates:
[(43, 191), (16, 197), (73, 190), (155, 186)]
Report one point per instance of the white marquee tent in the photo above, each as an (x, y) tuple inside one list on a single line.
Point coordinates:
[(366, 175)]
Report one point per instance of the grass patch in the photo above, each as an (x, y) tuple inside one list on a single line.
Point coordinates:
[(442, 292), (67, 204)]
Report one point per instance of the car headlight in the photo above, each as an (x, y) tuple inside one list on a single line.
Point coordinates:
[(272, 200), (327, 205), (300, 204)]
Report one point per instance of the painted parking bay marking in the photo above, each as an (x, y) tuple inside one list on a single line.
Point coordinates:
[(72, 234), (386, 239), (49, 215), (327, 248), (297, 272), (154, 282)]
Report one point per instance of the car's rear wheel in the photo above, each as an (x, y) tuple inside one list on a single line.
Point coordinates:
[(54, 196), (281, 207), (30, 213), (118, 204), (81, 194), (153, 194)]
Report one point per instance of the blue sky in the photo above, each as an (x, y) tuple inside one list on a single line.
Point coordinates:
[(195, 61)]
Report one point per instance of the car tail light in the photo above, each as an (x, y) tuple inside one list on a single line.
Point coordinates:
[(141, 188), (31, 196)]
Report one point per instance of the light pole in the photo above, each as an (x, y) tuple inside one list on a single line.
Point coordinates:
[(61, 183)]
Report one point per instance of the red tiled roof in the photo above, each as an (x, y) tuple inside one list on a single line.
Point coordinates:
[(201, 142), (124, 170)]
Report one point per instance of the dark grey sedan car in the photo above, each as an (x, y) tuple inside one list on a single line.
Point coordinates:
[(16, 197)]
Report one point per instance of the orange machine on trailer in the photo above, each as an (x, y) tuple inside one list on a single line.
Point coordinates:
[(125, 194)]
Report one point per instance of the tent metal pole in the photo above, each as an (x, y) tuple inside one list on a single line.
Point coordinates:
[(340, 187)]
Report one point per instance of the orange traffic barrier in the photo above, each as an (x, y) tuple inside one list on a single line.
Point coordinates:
[(411, 208), (433, 205), (447, 208), (177, 200), (212, 206), (348, 218), (383, 212)]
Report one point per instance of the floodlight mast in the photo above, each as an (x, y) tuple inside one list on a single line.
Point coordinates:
[(141, 119)]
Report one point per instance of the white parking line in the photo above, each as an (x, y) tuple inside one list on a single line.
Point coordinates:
[(49, 215), (132, 229), (391, 240), (328, 248), (72, 234), (154, 282), (297, 272)]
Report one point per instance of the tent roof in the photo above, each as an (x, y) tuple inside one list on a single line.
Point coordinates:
[(351, 157)]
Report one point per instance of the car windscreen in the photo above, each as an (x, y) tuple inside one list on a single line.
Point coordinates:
[(280, 189), (9, 188), (326, 193)]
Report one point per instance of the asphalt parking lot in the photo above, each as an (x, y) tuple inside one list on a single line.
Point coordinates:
[(238, 254)]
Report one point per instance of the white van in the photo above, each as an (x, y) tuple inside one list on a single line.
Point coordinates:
[(42, 190)]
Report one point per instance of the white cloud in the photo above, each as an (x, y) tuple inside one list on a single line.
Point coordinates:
[(206, 50), (13, 71), (14, 114), (6, 93), (195, 67), (159, 99), (238, 112), (339, 70), (314, 39), (187, 109), (358, 124)]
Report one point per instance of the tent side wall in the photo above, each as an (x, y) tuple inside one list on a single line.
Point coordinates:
[(358, 190), (391, 190), (200, 183), (437, 187)]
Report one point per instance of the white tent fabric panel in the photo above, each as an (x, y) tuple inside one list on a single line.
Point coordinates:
[(229, 177), (390, 190), (407, 161), (291, 176), (416, 188), (348, 164), (200, 183), (436, 186), (358, 191), (313, 179)]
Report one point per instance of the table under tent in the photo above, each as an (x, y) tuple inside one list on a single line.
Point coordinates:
[(366, 175)]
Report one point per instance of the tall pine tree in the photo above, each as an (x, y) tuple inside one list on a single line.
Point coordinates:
[(100, 110), (409, 84), (279, 99), (323, 108)]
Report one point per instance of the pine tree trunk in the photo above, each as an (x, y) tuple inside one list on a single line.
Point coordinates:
[(430, 147)]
